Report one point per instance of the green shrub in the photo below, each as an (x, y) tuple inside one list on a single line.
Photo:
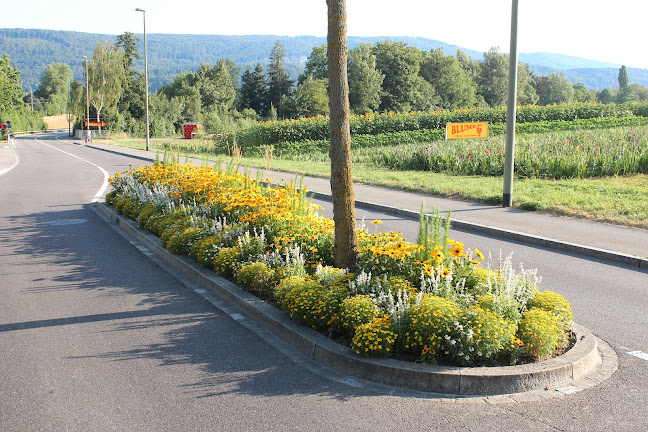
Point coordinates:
[(121, 203), (374, 339), (430, 322), (226, 261), (133, 209), (507, 307), (204, 250), (110, 197), (541, 333), (478, 335), (308, 301), (258, 278), (159, 225), (174, 229), (146, 213), (554, 303), (182, 241), (355, 311)]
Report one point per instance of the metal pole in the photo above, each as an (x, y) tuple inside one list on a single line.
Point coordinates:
[(509, 160), (145, 79), (87, 96)]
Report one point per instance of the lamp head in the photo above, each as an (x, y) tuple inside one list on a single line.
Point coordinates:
[(140, 10)]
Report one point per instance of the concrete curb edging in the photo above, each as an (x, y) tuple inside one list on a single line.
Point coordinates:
[(583, 359)]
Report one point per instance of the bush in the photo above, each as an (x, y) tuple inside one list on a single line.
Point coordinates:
[(173, 229), (256, 277), (309, 302), (374, 339), (478, 335), (146, 213), (430, 323), (541, 333), (121, 203), (355, 311), (204, 250), (182, 241), (556, 304), (226, 260)]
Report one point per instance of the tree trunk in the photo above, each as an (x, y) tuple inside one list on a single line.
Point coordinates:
[(343, 197)]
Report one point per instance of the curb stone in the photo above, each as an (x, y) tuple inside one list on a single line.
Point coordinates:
[(587, 363)]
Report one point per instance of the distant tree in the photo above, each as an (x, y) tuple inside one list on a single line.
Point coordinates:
[(623, 77), (400, 64), (342, 194), (554, 88), (493, 80), (640, 90), (253, 90), (451, 82), (605, 96), (10, 89), (583, 94), (106, 75), (311, 98), (279, 84), (469, 64), (315, 65), (127, 42), (132, 101), (365, 80), (493, 77), (217, 85), (54, 88)]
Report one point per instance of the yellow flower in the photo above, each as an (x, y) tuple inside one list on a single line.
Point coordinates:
[(479, 254), (376, 222)]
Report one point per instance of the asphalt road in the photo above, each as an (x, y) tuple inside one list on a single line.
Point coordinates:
[(95, 336)]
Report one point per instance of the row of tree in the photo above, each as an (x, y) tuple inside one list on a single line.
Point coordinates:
[(12, 108), (385, 76)]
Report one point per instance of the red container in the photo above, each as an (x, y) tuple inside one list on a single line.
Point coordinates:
[(190, 128)]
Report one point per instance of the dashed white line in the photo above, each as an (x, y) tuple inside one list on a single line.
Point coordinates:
[(639, 354)]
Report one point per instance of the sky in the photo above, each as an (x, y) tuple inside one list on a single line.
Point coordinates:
[(609, 31)]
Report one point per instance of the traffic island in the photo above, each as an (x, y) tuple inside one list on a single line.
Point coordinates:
[(587, 363)]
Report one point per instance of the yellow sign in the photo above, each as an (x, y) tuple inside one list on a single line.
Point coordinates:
[(466, 130)]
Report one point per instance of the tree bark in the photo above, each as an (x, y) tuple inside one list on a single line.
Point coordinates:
[(343, 197)]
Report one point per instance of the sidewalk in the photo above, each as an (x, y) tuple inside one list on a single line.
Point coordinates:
[(594, 239)]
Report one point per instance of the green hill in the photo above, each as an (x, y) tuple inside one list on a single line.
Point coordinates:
[(32, 50)]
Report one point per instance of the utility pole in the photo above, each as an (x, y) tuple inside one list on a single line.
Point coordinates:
[(87, 95), (509, 157), (145, 79)]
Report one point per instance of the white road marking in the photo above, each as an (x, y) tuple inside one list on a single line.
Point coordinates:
[(99, 195), (640, 354)]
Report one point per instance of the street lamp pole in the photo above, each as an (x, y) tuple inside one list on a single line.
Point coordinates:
[(509, 155), (145, 78), (87, 95)]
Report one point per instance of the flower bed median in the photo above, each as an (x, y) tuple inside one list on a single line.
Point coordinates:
[(434, 302)]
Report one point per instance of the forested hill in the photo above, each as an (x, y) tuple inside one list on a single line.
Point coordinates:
[(170, 54)]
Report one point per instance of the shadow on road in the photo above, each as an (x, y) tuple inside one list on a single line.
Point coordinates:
[(114, 290)]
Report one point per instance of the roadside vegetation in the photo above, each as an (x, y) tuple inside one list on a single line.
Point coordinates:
[(435, 301)]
